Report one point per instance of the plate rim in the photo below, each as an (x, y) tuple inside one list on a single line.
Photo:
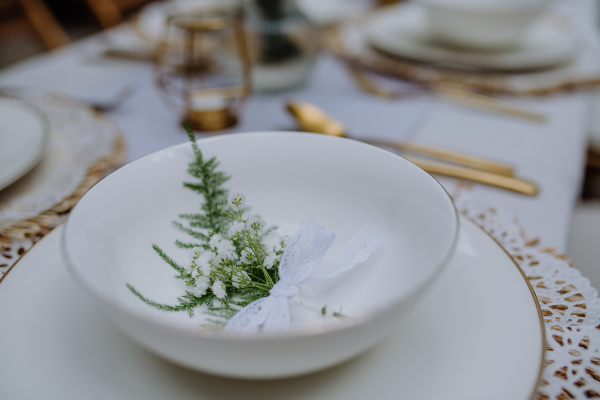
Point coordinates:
[(535, 299), (41, 147)]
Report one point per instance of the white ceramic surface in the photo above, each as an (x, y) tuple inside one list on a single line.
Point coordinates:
[(477, 335), (481, 24), (405, 31), (289, 179), (23, 139)]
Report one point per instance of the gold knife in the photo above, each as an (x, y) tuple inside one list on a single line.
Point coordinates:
[(466, 160), (488, 178)]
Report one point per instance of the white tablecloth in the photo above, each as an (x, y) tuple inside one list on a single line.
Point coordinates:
[(550, 154)]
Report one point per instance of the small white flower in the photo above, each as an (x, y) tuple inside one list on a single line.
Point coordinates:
[(227, 249), (195, 273), (270, 260), (193, 253), (281, 243), (192, 256), (237, 199), (225, 245), (230, 256), (254, 223), (206, 269), (240, 279), (202, 284), (247, 257), (215, 240), (236, 228), (219, 289), (203, 262), (218, 260)]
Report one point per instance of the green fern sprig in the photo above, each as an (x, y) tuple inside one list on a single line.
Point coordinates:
[(210, 187), (215, 218)]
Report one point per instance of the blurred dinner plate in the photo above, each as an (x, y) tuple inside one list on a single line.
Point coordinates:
[(478, 334), (403, 31), (24, 137)]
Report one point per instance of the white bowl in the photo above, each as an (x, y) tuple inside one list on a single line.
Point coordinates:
[(481, 25), (288, 178)]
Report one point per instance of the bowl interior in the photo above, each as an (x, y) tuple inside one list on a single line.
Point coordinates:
[(288, 179)]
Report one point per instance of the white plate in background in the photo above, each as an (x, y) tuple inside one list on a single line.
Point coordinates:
[(403, 31), (24, 137)]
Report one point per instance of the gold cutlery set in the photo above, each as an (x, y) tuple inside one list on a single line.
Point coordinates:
[(431, 159)]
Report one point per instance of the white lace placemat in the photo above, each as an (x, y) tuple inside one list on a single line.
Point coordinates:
[(78, 139), (570, 306)]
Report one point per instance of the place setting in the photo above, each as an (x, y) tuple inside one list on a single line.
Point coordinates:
[(299, 225), (434, 33), (337, 311), (518, 48)]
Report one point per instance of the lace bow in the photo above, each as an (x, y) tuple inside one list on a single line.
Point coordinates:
[(302, 263)]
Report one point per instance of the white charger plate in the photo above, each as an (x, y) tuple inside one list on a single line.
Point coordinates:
[(403, 31), (24, 137), (477, 334)]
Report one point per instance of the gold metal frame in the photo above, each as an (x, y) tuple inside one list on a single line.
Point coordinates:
[(213, 119)]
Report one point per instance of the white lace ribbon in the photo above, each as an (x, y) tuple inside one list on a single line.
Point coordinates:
[(301, 263)]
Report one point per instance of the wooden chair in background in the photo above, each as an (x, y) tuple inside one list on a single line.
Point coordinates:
[(36, 15), (110, 12)]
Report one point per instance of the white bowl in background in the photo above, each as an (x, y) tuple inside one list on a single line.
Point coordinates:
[(484, 25), (289, 179), (403, 31)]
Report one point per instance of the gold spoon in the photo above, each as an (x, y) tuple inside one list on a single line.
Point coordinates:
[(313, 119)]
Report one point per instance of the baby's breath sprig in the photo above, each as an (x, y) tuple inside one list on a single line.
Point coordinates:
[(229, 266)]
